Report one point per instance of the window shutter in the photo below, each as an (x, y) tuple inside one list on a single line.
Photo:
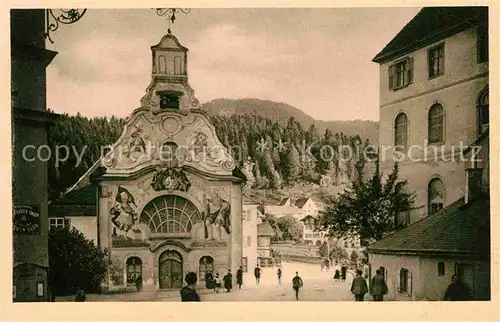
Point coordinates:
[(391, 77), (410, 286), (399, 281), (409, 70)]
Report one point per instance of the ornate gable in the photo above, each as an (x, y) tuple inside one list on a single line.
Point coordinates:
[(168, 139)]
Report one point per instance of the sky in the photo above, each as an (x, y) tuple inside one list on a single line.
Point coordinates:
[(318, 60)]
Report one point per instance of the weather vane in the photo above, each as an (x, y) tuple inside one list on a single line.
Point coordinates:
[(171, 14)]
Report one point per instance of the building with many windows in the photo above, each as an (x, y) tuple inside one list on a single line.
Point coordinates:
[(434, 109), (433, 102), (250, 217)]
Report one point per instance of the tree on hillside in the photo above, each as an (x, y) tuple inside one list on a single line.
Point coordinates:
[(290, 228), (291, 163), (354, 258), (367, 208), (87, 137), (74, 262)]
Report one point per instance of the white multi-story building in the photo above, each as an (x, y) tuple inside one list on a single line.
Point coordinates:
[(250, 217), (434, 105), (433, 101)]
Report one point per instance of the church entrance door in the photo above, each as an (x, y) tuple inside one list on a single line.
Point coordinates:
[(170, 269)]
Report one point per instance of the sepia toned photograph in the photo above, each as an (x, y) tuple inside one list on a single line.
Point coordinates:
[(250, 154)]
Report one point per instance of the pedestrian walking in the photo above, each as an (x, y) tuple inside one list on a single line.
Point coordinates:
[(327, 264), (322, 264), (228, 281), (279, 273), (336, 276), (359, 287), (239, 277), (343, 273), (80, 295), (188, 292), (256, 272), (217, 283), (297, 283), (457, 290), (138, 283), (209, 280), (378, 287)]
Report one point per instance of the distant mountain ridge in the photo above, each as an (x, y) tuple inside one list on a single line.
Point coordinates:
[(281, 112)]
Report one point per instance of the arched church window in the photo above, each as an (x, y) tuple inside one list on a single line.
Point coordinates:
[(162, 64), (435, 196), (169, 214), (483, 112), (401, 130), (402, 218), (206, 265), (177, 65), (436, 124)]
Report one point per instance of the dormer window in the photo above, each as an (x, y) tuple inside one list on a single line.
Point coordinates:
[(170, 99)]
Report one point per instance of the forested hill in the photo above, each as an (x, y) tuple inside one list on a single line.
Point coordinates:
[(273, 169), (281, 112)]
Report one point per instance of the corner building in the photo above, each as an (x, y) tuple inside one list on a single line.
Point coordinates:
[(170, 197), (434, 98)]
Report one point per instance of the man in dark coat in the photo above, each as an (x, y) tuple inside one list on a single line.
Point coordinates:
[(209, 278), (378, 287), (239, 277), (297, 283), (138, 283), (256, 273), (188, 292), (228, 281), (359, 287), (457, 290), (343, 273)]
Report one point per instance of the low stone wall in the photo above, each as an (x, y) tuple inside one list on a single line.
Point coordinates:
[(296, 252)]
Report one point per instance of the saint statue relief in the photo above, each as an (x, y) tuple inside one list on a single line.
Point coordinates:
[(217, 217), (123, 213)]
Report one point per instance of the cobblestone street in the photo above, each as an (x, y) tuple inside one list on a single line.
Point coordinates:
[(318, 286)]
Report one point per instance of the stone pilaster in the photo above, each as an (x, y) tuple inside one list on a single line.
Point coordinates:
[(236, 250)]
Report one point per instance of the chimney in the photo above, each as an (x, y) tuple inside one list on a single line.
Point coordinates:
[(474, 184)]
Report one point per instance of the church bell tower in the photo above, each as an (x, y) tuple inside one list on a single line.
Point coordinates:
[(169, 87)]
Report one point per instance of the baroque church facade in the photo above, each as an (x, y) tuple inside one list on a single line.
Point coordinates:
[(170, 195)]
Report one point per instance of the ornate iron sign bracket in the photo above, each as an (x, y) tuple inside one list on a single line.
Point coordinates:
[(64, 16)]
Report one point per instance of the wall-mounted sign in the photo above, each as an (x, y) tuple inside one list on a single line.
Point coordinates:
[(26, 219)]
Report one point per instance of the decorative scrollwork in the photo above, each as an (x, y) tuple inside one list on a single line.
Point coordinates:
[(65, 16), (171, 12)]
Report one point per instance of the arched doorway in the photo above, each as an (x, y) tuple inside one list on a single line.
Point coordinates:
[(170, 269), (206, 265)]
